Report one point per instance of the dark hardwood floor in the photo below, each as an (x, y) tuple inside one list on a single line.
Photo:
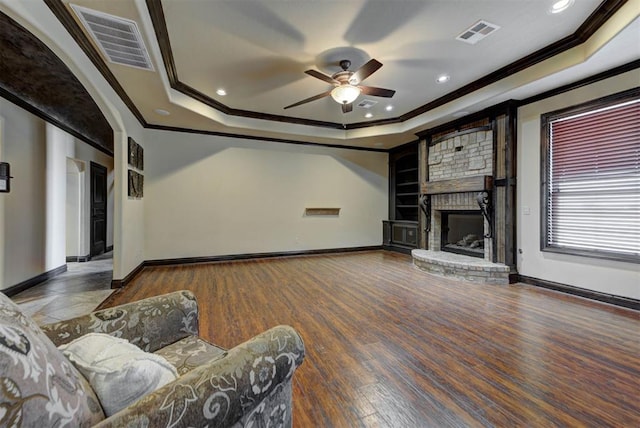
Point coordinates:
[(391, 346)]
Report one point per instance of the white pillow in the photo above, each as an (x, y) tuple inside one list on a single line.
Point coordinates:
[(120, 373)]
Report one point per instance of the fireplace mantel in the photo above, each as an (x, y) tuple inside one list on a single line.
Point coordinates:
[(476, 183)]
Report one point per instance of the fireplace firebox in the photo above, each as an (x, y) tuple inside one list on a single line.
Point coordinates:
[(462, 232)]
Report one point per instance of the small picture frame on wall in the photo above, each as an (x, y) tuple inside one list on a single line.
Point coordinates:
[(136, 185), (133, 152), (140, 158), (135, 157), (136, 154)]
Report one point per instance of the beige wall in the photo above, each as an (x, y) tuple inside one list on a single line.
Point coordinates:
[(24, 211), (212, 196), (26, 250), (128, 215), (622, 279)]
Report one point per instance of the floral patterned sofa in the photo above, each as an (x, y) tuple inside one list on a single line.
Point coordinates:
[(249, 385)]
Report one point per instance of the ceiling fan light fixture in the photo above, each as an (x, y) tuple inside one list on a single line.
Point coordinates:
[(345, 94), (560, 6)]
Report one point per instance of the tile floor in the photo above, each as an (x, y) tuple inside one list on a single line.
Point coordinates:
[(76, 292)]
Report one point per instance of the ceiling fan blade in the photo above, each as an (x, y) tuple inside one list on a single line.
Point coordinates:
[(308, 100), (366, 70), (377, 92), (346, 108), (321, 76)]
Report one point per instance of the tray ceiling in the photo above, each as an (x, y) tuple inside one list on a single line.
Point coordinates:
[(258, 50)]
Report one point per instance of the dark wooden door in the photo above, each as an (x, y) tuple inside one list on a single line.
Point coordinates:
[(98, 209)]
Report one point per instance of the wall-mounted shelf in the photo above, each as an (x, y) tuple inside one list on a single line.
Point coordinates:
[(322, 211)]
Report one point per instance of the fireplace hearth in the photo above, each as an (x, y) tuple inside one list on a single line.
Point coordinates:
[(462, 233)]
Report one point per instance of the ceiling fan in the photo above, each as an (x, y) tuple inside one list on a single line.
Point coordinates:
[(347, 88)]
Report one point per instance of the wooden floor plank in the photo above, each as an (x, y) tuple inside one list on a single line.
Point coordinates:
[(388, 345)]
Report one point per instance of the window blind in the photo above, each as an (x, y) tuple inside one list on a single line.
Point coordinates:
[(593, 180)]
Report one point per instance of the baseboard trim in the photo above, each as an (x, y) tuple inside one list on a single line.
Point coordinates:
[(233, 257), (403, 250), (119, 283), (109, 249), (78, 259), (25, 285), (612, 299)]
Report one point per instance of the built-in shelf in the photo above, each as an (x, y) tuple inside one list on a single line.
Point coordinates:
[(400, 232), (402, 171)]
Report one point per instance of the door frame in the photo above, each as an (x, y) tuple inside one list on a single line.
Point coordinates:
[(94, 168)]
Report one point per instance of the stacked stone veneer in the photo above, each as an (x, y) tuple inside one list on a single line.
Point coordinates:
[(462, 156), (459, 157)]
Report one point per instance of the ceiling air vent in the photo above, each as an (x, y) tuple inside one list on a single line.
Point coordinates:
[(367, 103), (118, 38), (477, 32)]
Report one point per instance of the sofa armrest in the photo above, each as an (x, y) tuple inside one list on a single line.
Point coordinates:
[(226, 390), (149, 323)]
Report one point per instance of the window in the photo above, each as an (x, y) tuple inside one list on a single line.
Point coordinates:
[(591, 178)]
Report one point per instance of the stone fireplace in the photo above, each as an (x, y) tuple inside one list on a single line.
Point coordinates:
[(458, 200)]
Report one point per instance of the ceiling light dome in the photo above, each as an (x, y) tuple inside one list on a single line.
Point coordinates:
[(443, 78), (345, 94)]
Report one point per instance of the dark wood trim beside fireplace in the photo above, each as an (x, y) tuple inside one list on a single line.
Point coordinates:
[(612, 299)]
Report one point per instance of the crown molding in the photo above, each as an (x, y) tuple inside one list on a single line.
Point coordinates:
[(604, 11)]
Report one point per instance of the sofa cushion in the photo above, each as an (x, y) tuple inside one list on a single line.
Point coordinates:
[(119, 372), (189, 353), (38, 385)]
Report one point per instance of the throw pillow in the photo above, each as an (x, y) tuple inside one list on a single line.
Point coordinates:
[(119, 372), (39, 387)]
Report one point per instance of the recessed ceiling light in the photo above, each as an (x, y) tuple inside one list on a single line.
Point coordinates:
[(368, 115), (560, 6), (221, 92), (389, 107), (162, 112), (378, 144), (443, 78), (460, 113)]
